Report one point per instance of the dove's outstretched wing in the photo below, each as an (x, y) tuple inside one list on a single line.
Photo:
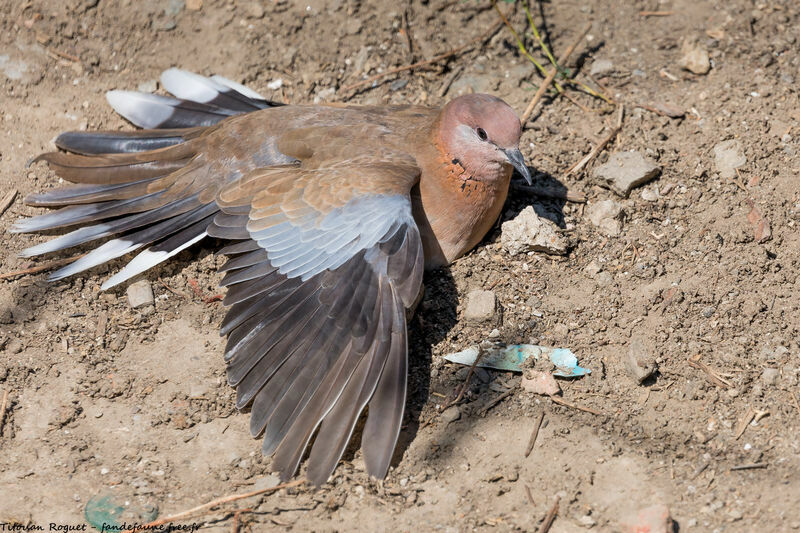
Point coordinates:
[(328, 258)]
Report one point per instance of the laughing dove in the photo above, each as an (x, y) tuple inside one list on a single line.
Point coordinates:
[(333, 211)]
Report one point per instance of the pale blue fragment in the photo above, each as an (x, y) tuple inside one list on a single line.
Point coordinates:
[(511, 357)]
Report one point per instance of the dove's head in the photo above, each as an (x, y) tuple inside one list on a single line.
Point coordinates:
[(481, 133)]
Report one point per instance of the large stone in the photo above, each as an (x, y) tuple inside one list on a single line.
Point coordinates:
[(607, 216), (481, 307), (528, 232), (728, 156), (626, 170)]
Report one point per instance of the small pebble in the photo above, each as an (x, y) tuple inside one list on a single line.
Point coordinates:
[(451, 414), (769, 376), (606, 215), (528, 232), (140, 294), (640, 361), (653, 519), (626, 170), (481, 306), (695, 59)]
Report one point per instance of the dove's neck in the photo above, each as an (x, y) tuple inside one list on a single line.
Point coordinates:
[(455, 207)]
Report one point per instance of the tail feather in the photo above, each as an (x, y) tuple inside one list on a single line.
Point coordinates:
[(190, 86), (149, 187), (117, 142), (92, 193)]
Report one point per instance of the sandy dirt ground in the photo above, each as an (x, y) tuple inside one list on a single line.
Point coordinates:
[(113, 404)]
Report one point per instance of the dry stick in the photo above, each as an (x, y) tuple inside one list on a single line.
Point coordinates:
[(565, 403), (551, 192), (449, 81), (63, 55), (454, 51), (712, 376), (600, 86), (744, 422), (550, 77), (3, 410), (235, 527), (656, 13), (530, 494), (577, 104), (577, 167), (464, 385), (749, 467), (7, 200), (497, 400), (550, 517), (176, 292), (218, 501), (535, 434), (41, 268)]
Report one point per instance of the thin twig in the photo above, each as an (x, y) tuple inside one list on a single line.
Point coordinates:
[(41, 268), (63, 55), (565, 403), (749, 466), (599, 148), (603, 89), (520, 44), (449, 81), (551, 516), (538, 96), (218, 501), (464, 385), (435, 59), (796, 404), (551, 192), (497, 400), (551, 76), (656, 13), (535, 434), (3, 410), (712, 376), (529, 493), (744, 422), (235, 526), (7, 200), (576, 103), (407, 31), (176, 292)]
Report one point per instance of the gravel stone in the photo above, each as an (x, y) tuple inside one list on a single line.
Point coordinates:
[(626, 170), (140, 294), (481, 307), (528, 232), (607, 215)]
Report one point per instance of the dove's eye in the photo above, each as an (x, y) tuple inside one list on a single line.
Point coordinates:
[(481, 134)]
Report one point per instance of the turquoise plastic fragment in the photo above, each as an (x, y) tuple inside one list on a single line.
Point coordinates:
[(512, 356)]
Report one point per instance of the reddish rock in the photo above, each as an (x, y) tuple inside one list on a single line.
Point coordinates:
[(653, 519)]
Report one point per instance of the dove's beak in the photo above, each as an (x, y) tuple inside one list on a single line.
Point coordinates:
[(518, 162)]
